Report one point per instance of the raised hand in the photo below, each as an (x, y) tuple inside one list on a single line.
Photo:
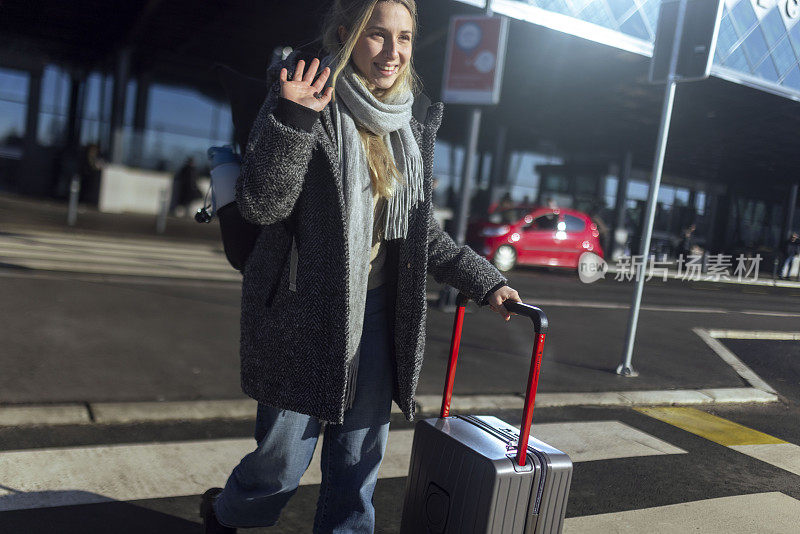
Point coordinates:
[(302, 91)]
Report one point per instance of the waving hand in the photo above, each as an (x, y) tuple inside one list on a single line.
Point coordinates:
[(302, 91)]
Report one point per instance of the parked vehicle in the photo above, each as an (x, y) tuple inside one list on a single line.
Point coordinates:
[(552, 237)]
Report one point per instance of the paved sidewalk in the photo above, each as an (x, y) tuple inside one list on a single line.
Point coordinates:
[(19, 213)]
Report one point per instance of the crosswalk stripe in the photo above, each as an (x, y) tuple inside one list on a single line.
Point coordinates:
[(108, 242), (43, 478), (68, 476), (117, 246), (69, 258), (785, 456), (165, 272), (104, 255), (740, 438), (21, 250), (709, 426), (601, 440), (765, 513)]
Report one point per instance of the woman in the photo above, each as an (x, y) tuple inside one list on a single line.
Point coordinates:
[(333, 296)]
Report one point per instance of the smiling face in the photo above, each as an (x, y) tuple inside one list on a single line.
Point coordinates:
[(383, 49)]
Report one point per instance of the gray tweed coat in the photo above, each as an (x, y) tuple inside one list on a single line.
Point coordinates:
[(294, 291)]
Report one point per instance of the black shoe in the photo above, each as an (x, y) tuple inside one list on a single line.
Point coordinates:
[(210, 523)]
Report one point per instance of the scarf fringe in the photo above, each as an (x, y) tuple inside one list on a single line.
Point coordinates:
[(405, 198)]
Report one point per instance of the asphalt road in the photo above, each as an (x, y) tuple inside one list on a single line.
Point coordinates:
[(91, 337), (81, 337)]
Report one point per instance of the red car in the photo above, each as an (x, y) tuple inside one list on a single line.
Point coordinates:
[(553, 237)]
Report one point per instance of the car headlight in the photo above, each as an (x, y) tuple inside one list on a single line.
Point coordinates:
[(494, 231)]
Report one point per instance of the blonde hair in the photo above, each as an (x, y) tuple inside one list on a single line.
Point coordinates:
[(354, 16)]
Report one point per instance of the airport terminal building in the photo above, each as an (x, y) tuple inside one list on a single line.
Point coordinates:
[(576, 124)]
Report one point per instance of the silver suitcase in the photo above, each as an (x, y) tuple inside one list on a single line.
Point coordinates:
[(477, 474)]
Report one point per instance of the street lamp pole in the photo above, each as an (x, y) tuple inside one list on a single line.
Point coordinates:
[(626, 367)]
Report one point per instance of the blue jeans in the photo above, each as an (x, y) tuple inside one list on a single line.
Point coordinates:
[(264, 481), (787, 266)]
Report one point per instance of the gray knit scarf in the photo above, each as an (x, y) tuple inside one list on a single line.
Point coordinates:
[(357, 106)]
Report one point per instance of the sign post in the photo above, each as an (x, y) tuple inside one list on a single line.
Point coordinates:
[(473, 75), (684, 49)]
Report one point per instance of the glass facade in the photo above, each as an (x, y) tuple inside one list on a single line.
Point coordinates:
[(757, 38), (13, 105), (636, 18), (179, 123), (53, 106), (761, 39)]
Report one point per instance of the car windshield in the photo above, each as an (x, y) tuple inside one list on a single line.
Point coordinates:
[(508, 216)]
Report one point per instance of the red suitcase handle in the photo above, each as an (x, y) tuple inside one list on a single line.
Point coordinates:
[(539, 320)]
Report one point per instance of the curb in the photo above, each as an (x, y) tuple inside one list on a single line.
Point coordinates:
[(429, 404), (135, 412), (50, 414), (107, 413)]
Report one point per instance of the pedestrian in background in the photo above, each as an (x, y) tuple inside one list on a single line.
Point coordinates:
[(333, 295), (686, 243), (184, 187), (90, 170), (791, 248)]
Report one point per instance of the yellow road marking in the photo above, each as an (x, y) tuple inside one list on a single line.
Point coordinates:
[(709, 426)]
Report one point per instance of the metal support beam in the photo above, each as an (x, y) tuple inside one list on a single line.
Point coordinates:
[(626, 368), (140, 119), (791, 208), (76, 103), (30, 173), (468, 176), (32, 111)]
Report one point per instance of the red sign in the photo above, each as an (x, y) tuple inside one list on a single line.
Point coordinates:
[(476, 51)]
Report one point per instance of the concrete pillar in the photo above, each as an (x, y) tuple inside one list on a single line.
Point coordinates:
[(32, 113), (791, 208), (710, 215), (75, 114), (121, 74), (102, 117), (620, 234), (31, 174), (140, 119), (69, 158), (539, 193), (721, 237), (499, 164), (480, 174)]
